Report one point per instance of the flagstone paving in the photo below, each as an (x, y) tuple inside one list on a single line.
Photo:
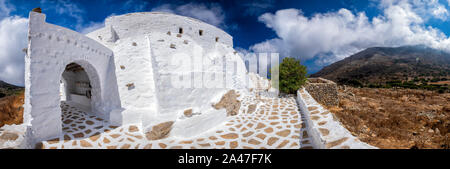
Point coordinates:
[(263, 122)]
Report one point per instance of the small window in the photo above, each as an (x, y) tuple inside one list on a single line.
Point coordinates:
[(180, 31), (217, 39), (200, 32)]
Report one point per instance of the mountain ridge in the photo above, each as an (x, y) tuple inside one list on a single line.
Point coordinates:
[(7, 89), (379, 65)]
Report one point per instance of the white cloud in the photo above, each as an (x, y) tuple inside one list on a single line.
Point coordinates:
[(5, 8), (440, 12), (426, 9), (62, 7), (135, 5), (92, 27), (212, 14), (72, 10), (13, 38), (256, 7), (332, 36), (65, 7)]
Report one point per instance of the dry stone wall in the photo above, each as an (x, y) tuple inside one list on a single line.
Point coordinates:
[(323, 91)]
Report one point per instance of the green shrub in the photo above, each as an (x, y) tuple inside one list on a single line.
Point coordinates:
[(371, 85), (292, 75), (435, 80)]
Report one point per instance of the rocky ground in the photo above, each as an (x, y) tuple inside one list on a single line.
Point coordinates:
[(11, 110), (396, 118)]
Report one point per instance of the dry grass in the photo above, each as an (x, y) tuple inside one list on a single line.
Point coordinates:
[(396, 118), (441, 82), (11, 110)]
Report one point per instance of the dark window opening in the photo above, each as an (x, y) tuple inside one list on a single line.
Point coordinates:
[(200, 32), (180, 31)]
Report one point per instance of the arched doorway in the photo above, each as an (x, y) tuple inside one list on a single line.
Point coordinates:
[(80, 102), (77, 88), (52, 50)]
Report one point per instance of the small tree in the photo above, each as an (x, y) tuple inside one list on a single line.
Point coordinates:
[(292, 75)]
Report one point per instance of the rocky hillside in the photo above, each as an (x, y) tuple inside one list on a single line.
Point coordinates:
[(384, 65), (9, 89), (11, 109), (11, 101), (396, 118)]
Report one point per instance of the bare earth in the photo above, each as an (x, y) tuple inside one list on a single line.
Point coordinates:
[(396, 118), (11, 110)]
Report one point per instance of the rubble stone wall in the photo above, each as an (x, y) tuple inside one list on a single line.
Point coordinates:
[(323, 91)]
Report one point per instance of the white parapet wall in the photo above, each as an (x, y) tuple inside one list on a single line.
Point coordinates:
[(326, 131)]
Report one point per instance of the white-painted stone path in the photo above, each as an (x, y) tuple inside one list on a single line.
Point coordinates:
[(274, 123)]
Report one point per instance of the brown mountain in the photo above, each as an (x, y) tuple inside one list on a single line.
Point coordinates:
[(379, 65)]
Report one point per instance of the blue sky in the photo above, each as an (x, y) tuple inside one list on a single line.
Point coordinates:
[(318, 32), (240, 16)]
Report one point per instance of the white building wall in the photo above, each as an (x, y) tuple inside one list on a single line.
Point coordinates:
[(134, 75), (50, 49), (143, 23), (142, 45)]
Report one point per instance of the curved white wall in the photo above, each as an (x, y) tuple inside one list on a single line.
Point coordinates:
[(142, 23), (142, 47)]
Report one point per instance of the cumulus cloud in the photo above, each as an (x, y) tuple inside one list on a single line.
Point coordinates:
[(212, 13), (135, 5), (440, 12), (425, 8), (5, 8), (65, 8), (257, 7), (332, 36), (92, 26), (72, 10), (13, 38)]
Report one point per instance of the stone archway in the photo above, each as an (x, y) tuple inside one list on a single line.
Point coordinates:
[(80, 114), (51, 49), (82, 87)]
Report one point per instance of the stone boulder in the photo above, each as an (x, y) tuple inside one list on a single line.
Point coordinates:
[(188, 113), (159, 131), (230, 102)]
